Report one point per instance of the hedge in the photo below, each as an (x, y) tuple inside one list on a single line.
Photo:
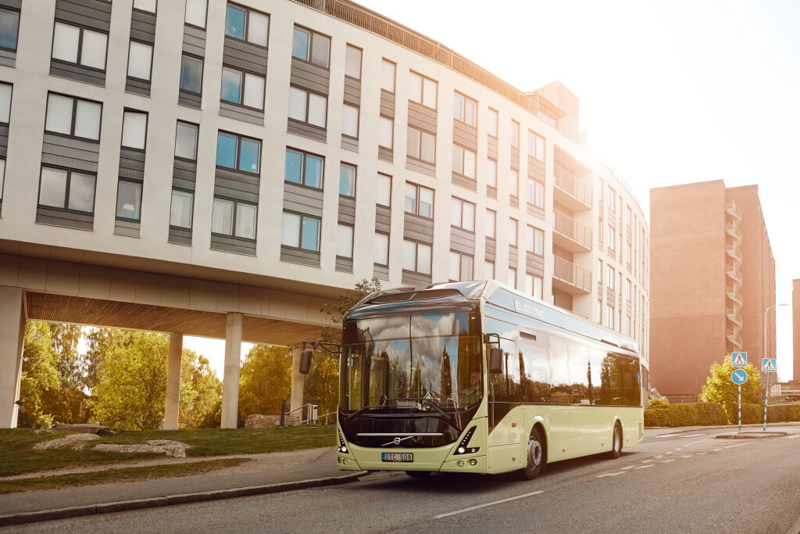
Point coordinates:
[(707, 414)]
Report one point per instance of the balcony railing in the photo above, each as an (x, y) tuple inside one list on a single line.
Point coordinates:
[(570, 273), (568, 227), (573, 186)]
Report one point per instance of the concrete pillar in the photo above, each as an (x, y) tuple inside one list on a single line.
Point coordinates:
[(173, 382), (230, 382), (12, 338), (298, 380)]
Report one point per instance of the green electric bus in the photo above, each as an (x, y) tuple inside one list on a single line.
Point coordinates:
[(475, 377)]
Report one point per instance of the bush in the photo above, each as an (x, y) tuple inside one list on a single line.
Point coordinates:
[(685, 414), (658, 403)]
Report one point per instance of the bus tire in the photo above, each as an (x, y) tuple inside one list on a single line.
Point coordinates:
[(616, 442), (418, 474), (535, 455)]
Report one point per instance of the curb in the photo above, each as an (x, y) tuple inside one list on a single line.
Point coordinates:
[(170, 500)]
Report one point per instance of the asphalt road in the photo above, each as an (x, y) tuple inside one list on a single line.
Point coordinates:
[(671, 482)]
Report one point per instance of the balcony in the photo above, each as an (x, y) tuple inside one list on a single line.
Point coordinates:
[(734, 295), (734, 231), (733, 210), (734, 316), (571, 191), (734, 252), (570, 234), (570, 278)]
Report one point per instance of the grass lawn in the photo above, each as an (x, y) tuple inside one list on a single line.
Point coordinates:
[(130, 474), (18, 457)]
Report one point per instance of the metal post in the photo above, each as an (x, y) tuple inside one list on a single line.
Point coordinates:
[(740, 409), (766, 401), (283, 410)]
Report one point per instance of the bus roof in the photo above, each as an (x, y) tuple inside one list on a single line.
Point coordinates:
[(498, 294)]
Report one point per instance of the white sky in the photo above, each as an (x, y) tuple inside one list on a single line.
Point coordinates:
[(670, 92)]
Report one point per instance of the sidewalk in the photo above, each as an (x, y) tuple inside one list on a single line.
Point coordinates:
[(266, 473)]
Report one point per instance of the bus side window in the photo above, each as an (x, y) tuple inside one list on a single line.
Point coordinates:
[(507, 384), (536, 364), (580, 371), (560, 384)]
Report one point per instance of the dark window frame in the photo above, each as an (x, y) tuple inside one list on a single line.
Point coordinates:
[(360, 62), (302, 183), (422, 91), (464, 109), (247, 11), (72, 135), (419, 146), (242, 88), (417, 201), (300, 235), (140, 183), (191, 219), (19, 16), (474, 214), (152, 54), (355, 178), (146, 126), (311, 37), (236, 203), (196, 141), (66, 208), (80, 47), (416, 257), (308, 98), (239, 138), (202, 72)]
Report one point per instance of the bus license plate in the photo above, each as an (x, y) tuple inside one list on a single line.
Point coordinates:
[(397, 456)]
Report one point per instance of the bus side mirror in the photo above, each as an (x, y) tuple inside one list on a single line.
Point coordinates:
[(495, 360), (305, 361)]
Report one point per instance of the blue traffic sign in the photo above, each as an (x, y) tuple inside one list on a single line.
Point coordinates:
[(769, 365), (739, 377), (739, 359)]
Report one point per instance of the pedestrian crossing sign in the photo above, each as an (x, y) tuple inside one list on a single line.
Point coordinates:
[(769, 365), (739, 359)]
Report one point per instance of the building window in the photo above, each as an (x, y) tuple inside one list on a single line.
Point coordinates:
[(242, 88), (386, 132), (422, 90), (609, 322), (628, 216), (514, 178), (247, 25), (5, 102), (465, 109), (180, 215), (305, 106), (186, 141), (350, 121), (611, 238), (78, 45), (67, 189), (381, 249), (384, 190), (628, 290), (536, 193), (491, 224), (134, 129), (514, 134), (419, 200), (491, 173), (612, 199), (460, 267), (488, 270), (610, 277), (238, 152), (303, 168), (628, 255), (344, 241), (129, 200), (191, 74), (535, 242), (464, 161), (421, 145), (196, 13), (493, 121), (512, 232), (535, 146), (462, 214), (352, 62), (347, 181), (311, 46), (140, 61), (388, 71), (145, 5), (9, 28), (416, 257), (600, 273), (73, 116), (512, 277), (538, 292), (234, 218)]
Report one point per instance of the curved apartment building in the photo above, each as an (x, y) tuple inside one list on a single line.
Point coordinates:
[(222, 168)]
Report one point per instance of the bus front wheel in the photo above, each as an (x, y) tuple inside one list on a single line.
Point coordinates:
[(616, 443), (535, 456)]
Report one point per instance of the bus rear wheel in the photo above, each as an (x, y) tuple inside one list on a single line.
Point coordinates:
[(616, 443), (535, 457), (418, 474)]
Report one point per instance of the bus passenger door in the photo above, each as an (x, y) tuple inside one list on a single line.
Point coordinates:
[(505, 414)]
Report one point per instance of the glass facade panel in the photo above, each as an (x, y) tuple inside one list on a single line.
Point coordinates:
[(65, 42), (258, 28), (409, 255), (145, 5), (317, 109), (344, 241), (320, 51), (294, 167), (87, 120), (350, 121), (246, 220), (191, 74), (491, 173), (180, 214), (352, 65), (384, 190), (226, 150), (387, 75), (310, 237), (254, 90), (381, 250), (234, 22), (412, 145), (81, 192), (301, 42), (59, 114), (129, 198), (196, 12), (424, 258), (347, 181), (290, 230), (249, 155), (386, 132), (426, 202), (134, 129), (429, 93), (93, 51), (186, 141), (53, 190), (428, 147), (140, 60), (297, 104), (9, 28), (313, 175), (231, 85), (5, 102), (222, 218)]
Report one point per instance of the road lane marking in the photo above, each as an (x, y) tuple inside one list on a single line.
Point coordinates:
[(739, 445), (440, 516), (679, 436), (699, 453), (695, 443), (659, 456), (793, 436), (629, 467), (644, 466), (687, 456), (611, 474), (646, 461), (716, 450), (678, 448), (667, 461), (669, 452)]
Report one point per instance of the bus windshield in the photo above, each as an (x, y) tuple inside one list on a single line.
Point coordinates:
[(417, 361)]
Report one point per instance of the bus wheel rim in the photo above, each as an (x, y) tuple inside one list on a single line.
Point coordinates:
[(534, 453)]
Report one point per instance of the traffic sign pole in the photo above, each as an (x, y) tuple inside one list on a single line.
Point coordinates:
[(766, 402), (740, 409)]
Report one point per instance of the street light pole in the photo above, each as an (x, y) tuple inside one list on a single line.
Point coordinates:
[(766, 355)]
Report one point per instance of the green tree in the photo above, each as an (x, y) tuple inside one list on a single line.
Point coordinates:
[(201, 393), (337, 309), (131, 383), (720, 388), (265, 380), (39, 375), (67, 404)]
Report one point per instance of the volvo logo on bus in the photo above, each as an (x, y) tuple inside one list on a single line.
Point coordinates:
[(397, 441)]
